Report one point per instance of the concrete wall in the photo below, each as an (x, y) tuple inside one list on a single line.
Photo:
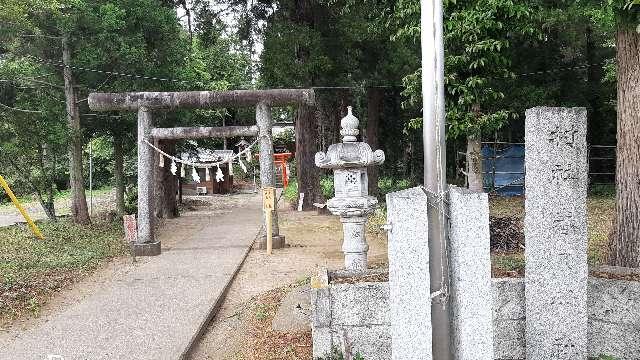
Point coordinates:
[(355, 317)]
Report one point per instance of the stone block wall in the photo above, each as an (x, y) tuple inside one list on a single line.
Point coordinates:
[(355, 318)]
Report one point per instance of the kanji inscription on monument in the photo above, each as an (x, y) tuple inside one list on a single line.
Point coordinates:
[(556, 233)]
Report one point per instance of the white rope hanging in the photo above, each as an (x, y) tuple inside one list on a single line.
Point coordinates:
[(203, 165)]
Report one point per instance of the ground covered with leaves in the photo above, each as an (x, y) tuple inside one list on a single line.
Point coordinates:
[(264, 343), (32, 270)]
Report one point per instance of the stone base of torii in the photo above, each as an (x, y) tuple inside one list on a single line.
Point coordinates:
[(145, 103)]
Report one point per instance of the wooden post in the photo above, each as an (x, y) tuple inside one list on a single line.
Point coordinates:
[(146, 245), (268, 205)]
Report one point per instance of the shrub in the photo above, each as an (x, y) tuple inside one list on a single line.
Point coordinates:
[(291, 192), (326, 185), (389, 185)]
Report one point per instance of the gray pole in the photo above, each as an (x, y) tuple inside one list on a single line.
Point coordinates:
[(435, 169), (267, 173), (145, 243)]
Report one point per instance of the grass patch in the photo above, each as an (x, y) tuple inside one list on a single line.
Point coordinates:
[(31, 270)]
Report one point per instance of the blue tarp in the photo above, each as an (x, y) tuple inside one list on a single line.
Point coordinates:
[(509, 168)]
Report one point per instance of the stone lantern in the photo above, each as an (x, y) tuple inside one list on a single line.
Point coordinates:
[(349, 161)]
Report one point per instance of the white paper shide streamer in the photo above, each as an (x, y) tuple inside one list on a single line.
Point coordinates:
[(161, 161), (242, 165), (219, 175), (194, 175), (174, 167), (183, 172), (207, 174), (230, 167)]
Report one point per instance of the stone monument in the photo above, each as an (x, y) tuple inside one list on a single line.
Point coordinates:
[(349, 161), (409, 276), (470, 275), (556, 233)]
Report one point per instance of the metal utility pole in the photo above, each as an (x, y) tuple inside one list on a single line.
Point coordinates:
[(79, 210), (435, 170)]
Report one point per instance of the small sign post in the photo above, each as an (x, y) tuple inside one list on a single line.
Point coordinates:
[(268, 205)]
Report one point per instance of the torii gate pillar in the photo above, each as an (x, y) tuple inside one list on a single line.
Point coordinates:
[(145, 244), (267, 170)]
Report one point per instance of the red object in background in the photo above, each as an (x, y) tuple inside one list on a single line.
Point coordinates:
[(280, 159)]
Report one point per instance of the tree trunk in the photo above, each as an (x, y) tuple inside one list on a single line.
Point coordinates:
[(306, 127), (79, 209), (375, 98), (166, 206), (48, 204), (48, 207), (625, 244), (474, 163), (118, 173)]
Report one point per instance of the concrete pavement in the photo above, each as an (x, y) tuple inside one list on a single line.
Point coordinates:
[(155, 308)]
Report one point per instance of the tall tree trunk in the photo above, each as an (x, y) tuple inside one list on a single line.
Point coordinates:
[(118, 173), (625, 244), (306, 127), (48, 172), (375, 98), (79, 209), (474, 163), (166, 206)]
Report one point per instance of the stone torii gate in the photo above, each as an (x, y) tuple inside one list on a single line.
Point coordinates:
[(144, 103)]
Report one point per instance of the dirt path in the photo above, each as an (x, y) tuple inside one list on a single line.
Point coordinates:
[(315, 240)]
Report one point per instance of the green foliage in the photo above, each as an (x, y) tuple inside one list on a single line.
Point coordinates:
[(141, 37), (337, 354), (607, 357), (326, 185), (286, 139), (131, 200), (262, 311), (291, 192), (389, 185), (478, 36), (603, 190)]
